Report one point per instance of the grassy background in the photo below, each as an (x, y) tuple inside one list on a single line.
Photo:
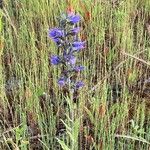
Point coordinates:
[(32, 110)]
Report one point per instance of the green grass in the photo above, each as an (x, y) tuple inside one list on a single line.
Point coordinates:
[(117, 52)]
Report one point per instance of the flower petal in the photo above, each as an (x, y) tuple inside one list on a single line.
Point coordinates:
[(78, 68), (79, 84), (72, 18), (74, 31), (77, 45), (56, 33), (62, 81), (55, 60), (72, 60)]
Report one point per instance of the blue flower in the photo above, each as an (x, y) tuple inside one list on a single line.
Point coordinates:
[(74, 31), (62, 81), (77, 45), (79, 84), (72, 18), (71, 59), (58, 41), (55, 60), (56, 33), (78, 68)]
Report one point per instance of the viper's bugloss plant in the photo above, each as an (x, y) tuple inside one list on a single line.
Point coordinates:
[(66, 38)]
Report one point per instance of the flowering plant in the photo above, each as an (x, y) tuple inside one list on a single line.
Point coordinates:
[(66, 38)]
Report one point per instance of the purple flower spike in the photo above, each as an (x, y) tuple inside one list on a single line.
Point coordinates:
[(66, 38), (55, 60), (79, 84), (61, 81), (74, 31), (72, 18), (78, 68), (56, 33), (78, 45)]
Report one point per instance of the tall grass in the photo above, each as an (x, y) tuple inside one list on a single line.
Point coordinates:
[(34, 112)]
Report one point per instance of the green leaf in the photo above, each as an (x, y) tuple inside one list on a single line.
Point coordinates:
[(76, 129), (63, 145)]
